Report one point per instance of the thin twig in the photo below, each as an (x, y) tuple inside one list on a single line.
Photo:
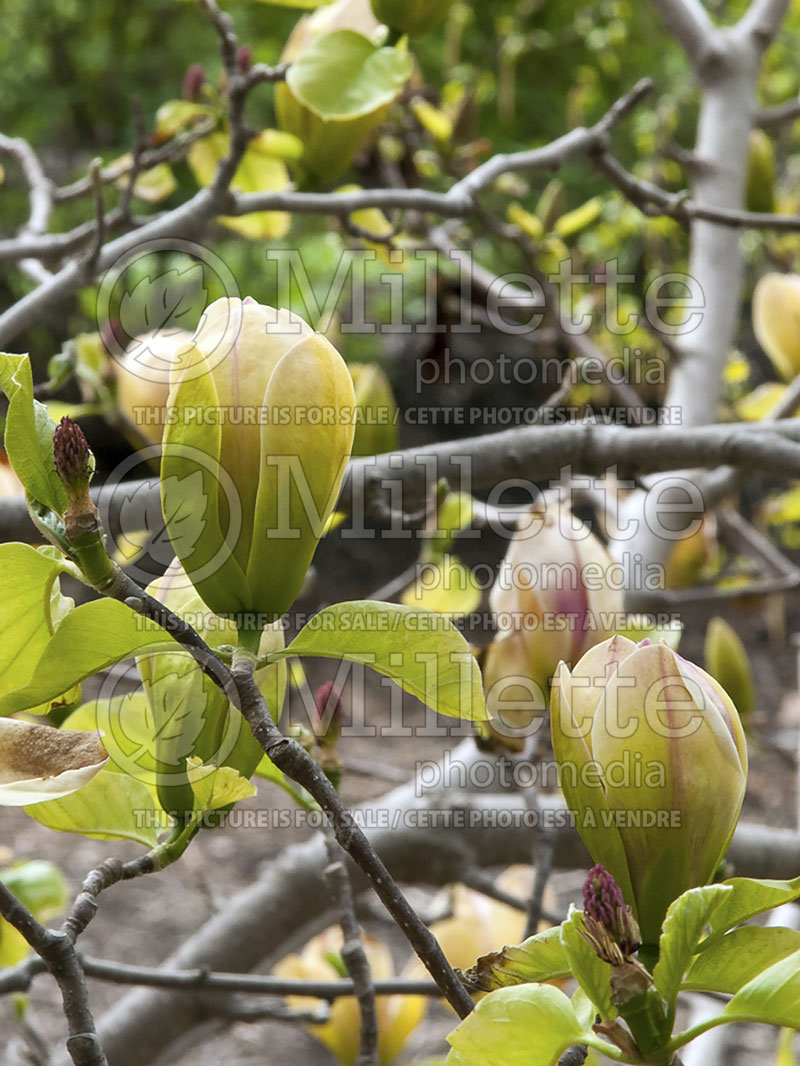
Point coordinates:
[(58, 953), (353, 953), (100, 218)]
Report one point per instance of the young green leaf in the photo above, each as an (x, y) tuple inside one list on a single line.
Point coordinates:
[(26, 618), (343, 75), (749, 898), (111, 807), (531, 1025), (420, 650), (736, 958), (29, 435), (591, 973), (539, 958), (90, 638), (217, 786), (772, 997), (684, 924)]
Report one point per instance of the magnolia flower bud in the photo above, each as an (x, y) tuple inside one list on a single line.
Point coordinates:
[(329, 145), (193, 81), (413, 17), (328, 715), (72, 456), (75, 466), (609, 925), (258, 435), (776, 321), (142, 376), (552, 601), (653, 764)]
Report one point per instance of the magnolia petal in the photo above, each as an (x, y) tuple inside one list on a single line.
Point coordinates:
[(663, 719), (581, 784), (543, 579), (194, 483), (303, 461), (40, 763), (776, 321), (243, 342)]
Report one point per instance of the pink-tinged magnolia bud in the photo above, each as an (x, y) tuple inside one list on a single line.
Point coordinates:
[(653, 763), (72, 456), (552, 600), (193, 82), (328, 715), (244, 58)]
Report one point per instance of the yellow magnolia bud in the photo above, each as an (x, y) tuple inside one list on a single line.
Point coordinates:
[(760, 191), (397, 1016), (143, 380), (259, 431), (653, 763), (329, 145), (727, 661), (376, 429), (776, 321)]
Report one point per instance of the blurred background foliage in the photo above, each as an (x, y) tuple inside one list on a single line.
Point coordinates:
[(502, 75)]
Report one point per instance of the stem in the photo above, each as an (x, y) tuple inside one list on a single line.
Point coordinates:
[(298, 764)]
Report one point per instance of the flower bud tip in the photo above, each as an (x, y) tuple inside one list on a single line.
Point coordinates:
[(72, 456)]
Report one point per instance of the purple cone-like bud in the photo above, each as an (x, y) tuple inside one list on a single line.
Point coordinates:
[(605, 906), (244, 58), (601, 896), (72, 455), (193, 82)]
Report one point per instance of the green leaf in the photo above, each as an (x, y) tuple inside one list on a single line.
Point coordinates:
[(772, 997), (684, 924), (445, 586), (591, 973), (39, 885), (420, 650), (582, 216), (215, 787), (29, 435), (111, 806), (90, 638), (539, 958), (342, 75), (736, 958), (176, 115), (530, 1025), (128, 733), (26, 619), (749, 898)]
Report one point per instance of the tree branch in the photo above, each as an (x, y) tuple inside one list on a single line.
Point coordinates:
[(690, 25), (58, 953)]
